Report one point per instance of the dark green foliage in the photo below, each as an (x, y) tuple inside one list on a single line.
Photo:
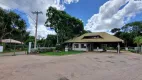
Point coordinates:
[(29, 39), (65, 25), (50, 41), (60, 47), (12, 26), (115, 30), (129, 32)]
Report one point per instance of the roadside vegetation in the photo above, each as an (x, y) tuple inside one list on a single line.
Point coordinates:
[(131, 33), (66, 27), (12, 26), (60, 53)]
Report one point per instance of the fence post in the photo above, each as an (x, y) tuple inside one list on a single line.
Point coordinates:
[(141, 48), (118, 48), (29, 49), (14, 50)]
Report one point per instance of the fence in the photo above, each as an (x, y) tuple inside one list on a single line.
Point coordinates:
[(133, 49), (15, 48)]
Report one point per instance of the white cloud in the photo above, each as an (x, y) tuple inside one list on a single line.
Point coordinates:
[(42, 31), (70, 1), (35, 5), (111, 16)]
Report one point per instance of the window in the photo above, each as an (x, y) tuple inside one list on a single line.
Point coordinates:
[(83, 45), (76, 46)]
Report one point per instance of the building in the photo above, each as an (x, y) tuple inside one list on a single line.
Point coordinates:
[(93, 42)]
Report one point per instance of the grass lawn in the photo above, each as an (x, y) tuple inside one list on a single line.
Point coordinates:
[(60, 53)]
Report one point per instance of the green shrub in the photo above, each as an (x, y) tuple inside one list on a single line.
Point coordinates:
[(60, 47), (132, 50), (34, 51), (44, 49)]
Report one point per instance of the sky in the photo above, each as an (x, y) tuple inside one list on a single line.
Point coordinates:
[(97, 15)]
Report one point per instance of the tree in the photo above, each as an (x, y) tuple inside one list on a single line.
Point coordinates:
[(138, 40), (11, 25), (115, 30), (133, 27), (51, 41), (128, 32), (64, 25), (29, 39)]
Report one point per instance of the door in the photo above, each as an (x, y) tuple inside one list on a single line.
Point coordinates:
[(90, 47)]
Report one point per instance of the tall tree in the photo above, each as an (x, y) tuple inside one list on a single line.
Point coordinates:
[(128, 32), (12, 25), (50, 41), (133, 27), (65, 25)]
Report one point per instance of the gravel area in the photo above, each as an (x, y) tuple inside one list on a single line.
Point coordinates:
[(86, 66)]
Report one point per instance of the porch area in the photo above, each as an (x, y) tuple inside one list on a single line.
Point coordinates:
[(95, 47)]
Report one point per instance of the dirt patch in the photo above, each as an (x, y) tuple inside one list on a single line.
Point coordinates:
[(73, 67)]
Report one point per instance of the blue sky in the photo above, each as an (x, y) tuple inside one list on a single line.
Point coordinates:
[(97, 15), (84, 9), (23, 15), (75, 9), (138, 17)]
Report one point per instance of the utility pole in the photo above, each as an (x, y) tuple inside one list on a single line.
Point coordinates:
[(37, 13), (57, 38)]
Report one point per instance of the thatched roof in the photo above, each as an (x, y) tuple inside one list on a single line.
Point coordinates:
[(103, 37), (11, 41)]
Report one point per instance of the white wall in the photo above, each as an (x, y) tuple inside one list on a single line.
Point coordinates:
[(79, 48), (1, 48)]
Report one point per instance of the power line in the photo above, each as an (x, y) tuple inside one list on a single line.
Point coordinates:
[(37, 13)]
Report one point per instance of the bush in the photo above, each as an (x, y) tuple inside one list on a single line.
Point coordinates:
[(44, 49), (59, 47), (34, 51), (132, 50)]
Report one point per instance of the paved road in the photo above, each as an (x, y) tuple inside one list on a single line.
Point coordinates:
[(86, 66)]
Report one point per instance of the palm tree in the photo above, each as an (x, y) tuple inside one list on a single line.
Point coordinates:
[(138, 40)]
